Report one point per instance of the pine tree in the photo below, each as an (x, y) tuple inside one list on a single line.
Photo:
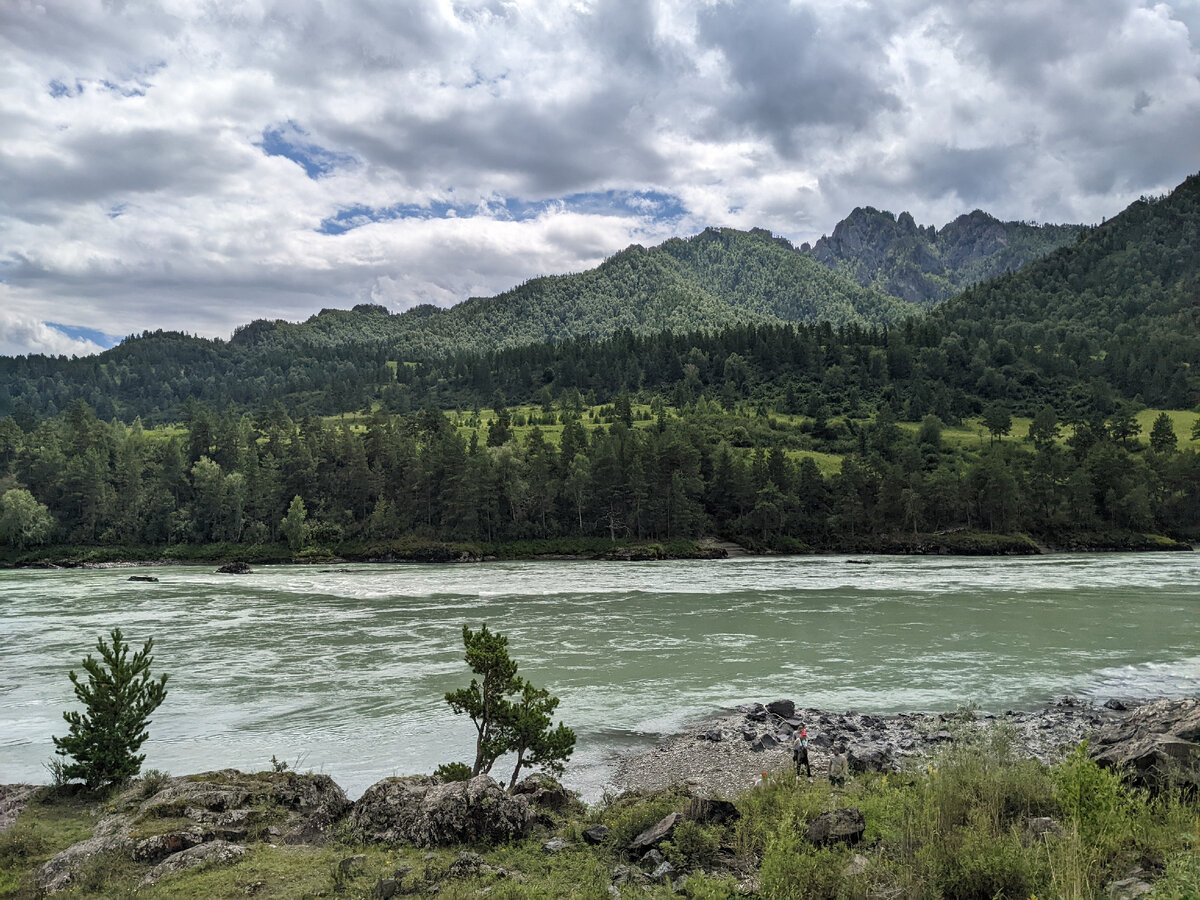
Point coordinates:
[(119, 697), (521, 725), (526, 732), (484, 701)]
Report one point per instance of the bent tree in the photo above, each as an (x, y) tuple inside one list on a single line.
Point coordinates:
[(118, 698), (520, 726)]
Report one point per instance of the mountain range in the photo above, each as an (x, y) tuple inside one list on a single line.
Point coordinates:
[(1119, 302), (869, 272)]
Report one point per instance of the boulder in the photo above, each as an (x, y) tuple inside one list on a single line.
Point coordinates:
[(711, 811), (651, 859), (1127, 889), (870, 758), (663, 870), (1157, 746), (842, 825), (221, 803), (13, 798), (1115, 705), (857, 866), (595, 834), (543, 792), (656, 833), (148, 579), (757, 713), (235, 568), (1039, 828), (213, 853), (422, 811), (713, 734), (763, 742), (555, 845), (160, 846), (785, 709), (57, 873), (467, 865)]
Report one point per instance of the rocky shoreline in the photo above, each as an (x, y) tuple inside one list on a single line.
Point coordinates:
[(162, 825), (725, 755)]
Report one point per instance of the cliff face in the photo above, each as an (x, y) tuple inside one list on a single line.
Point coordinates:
[(922, 265)]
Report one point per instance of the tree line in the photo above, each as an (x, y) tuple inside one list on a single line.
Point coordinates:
[(659, 474)]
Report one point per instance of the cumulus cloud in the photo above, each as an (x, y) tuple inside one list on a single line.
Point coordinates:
[(193, 166), (24, 334)]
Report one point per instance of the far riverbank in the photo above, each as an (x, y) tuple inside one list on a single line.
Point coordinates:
[(415, 550)]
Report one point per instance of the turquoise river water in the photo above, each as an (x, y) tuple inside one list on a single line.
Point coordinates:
[(344, 671)]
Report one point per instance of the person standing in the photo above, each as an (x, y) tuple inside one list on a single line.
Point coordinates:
[(800, 752), (839, 767)]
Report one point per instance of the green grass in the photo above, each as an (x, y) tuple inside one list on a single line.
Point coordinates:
[(828, 463), (1182, 420), (45, 827)]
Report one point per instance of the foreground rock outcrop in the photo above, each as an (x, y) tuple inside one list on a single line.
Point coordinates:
[(423, 811), (1157, 746), (170, 822)]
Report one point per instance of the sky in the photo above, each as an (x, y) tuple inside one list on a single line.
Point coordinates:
[(193, 165)]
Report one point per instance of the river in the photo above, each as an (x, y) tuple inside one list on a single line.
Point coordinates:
[(343, 671)]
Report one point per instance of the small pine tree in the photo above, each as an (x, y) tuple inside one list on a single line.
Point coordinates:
[(526, 731), (118, 697), (1162, 435), (520, 726), (487, 655)]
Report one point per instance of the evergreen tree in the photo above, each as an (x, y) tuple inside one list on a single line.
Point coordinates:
[(526, 732), (118, 698), (1162, 435), (485, 699)]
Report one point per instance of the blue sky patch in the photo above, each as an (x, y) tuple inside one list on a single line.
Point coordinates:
[(654, 205), (59, 89), (292, 142), (88, 334)]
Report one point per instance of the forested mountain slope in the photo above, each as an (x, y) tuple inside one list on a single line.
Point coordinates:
[(718, 278), (920, 264), (1124, 302)]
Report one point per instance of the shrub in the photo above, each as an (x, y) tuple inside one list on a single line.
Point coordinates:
[(793, 868), (454, 771), (692, 845), (152, 782)]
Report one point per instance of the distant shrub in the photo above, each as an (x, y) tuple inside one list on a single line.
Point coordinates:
[(454, 771)]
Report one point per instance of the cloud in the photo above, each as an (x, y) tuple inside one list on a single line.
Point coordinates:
[(194, 166), (22, 335)]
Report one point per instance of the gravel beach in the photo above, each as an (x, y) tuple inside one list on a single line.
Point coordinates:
[(724, 755)]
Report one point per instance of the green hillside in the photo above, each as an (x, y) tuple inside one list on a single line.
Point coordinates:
[(718, 278), (1122, 303)]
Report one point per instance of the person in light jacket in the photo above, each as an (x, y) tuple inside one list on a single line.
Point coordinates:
[(839, 767)]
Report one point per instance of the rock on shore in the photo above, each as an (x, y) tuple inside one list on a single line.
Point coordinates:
[(726, 755)]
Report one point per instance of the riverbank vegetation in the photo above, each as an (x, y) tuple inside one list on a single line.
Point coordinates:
[(435, 486), (974, 821)]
